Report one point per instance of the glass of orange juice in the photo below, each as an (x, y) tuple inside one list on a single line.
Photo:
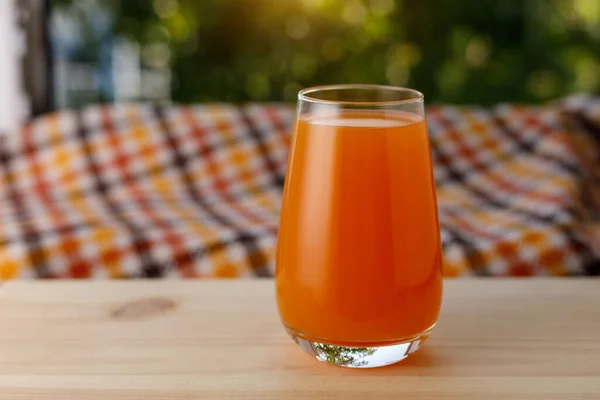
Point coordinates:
[(359, 274)]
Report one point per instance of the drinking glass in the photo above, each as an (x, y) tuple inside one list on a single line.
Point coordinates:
[(359, 275)]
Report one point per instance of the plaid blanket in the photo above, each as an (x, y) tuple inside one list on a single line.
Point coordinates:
[(135, 190)]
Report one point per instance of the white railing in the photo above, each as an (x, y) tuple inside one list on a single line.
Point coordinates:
[(13, 102)]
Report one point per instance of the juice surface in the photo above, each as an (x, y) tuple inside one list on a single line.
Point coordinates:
[(359, 257)]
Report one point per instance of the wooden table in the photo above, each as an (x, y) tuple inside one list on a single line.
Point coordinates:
[(496, 339)]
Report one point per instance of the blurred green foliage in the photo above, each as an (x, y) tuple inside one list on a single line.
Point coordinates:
[(455, 51)]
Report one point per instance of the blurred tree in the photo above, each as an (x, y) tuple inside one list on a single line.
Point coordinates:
[(455, 51)]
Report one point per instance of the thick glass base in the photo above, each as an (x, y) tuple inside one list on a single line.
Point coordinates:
[(361, 357)]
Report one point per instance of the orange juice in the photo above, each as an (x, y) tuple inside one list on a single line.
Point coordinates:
[(359, 256)]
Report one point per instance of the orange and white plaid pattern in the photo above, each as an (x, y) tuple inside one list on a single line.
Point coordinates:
[(130, 191), (518, 188)]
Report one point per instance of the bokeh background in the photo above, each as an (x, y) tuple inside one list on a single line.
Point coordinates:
[(455, 51)]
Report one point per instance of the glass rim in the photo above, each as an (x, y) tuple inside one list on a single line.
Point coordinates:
[(304, 94)]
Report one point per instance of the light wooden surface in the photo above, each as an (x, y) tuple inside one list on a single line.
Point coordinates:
[(167, 340)]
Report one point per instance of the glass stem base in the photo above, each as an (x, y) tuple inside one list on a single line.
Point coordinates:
[(361, 357)]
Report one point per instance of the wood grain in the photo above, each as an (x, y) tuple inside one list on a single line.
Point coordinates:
[(175, 340)]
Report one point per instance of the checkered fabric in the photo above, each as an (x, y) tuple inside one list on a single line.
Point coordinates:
[(135, 190)]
